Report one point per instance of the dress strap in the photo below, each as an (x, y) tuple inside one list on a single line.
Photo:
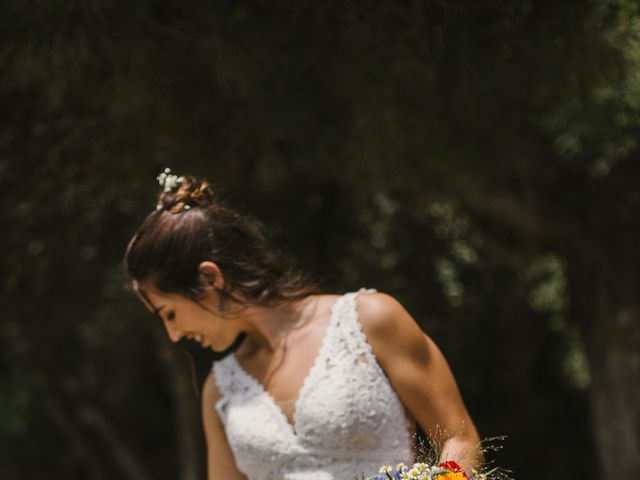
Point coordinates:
[(230, 380), (351, 303), (365, 290), (224, 376), (351, 338)]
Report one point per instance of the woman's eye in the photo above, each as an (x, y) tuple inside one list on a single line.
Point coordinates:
[(171, 315)]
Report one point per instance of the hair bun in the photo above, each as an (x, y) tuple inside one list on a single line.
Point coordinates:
[(189, 193)]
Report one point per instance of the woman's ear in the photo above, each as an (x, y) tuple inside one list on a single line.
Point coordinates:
[(209, 275)]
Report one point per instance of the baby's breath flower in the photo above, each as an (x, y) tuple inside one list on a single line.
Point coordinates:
[(167, 181)]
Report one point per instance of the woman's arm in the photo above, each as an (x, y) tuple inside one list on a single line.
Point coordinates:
[(421, 377), (220, 461)]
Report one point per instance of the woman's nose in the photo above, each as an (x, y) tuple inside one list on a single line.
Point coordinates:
[(174, 334)]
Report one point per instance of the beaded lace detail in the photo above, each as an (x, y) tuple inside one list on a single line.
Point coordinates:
[(347, 420)]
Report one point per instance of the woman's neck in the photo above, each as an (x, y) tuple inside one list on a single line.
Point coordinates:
[(267, 328)]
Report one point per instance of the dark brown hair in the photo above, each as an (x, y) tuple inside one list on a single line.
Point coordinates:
[(188, 227)]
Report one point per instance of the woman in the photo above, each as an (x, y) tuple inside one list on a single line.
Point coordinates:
[(315, 386)]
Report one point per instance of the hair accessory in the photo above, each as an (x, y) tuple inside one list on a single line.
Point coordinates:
[(167, 181)]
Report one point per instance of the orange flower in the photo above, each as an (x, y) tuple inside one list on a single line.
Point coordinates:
[(452, 476)]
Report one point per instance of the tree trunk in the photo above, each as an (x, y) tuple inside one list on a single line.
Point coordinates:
[(606, 300)]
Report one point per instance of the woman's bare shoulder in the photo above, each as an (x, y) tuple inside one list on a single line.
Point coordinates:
[(388, 326), (381, 311)]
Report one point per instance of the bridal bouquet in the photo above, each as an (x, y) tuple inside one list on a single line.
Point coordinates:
[(429, 468), (422, 471)]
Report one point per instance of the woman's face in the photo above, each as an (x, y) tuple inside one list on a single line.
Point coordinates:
[(183, 317)]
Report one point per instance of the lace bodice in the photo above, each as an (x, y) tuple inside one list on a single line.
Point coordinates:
[(348, 420)]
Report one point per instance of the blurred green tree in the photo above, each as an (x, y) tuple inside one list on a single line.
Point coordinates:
[(477, 159)]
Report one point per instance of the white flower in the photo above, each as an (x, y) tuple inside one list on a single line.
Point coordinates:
[(420, 467), (168, 181)]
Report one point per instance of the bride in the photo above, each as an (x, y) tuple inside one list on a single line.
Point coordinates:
[(314, 386)]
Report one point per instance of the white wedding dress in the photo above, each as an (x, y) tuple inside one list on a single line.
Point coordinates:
[(348, 420)]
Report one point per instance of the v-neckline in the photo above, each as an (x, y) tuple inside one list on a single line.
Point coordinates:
[(292, 425)]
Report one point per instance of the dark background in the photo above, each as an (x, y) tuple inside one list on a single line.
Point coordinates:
[(476, 159)]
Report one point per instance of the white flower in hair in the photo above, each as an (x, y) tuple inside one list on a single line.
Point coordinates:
[(167, 181)]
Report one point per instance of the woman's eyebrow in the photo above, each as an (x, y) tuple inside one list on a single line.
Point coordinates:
[(154, 310)]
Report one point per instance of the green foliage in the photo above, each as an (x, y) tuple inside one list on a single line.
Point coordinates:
[(463, 156)]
